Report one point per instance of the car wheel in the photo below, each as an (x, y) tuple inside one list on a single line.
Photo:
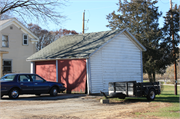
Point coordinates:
[(38, 95), (14, 93), (53, 91), (151, 95)]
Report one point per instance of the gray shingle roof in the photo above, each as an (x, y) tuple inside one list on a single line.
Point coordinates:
[(74, 46)]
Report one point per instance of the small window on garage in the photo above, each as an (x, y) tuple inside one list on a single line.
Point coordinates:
[(25, 39), (7, 66)]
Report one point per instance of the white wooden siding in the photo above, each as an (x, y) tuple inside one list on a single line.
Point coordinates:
[(119, 60), (96, 73)]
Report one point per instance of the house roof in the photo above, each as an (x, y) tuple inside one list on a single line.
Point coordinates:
[(78, 46), (4, 21), (7, 22)]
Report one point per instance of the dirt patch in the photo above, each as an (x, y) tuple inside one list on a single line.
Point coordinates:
[(77, 108), (52, 117), (152, 107)]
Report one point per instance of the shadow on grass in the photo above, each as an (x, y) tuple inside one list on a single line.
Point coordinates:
[(128, 100), (170, 99)]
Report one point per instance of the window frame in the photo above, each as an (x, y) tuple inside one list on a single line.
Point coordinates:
[(25, 76), (7, 41), (3, 78), (25, 39), (10, 66), (38, 77)]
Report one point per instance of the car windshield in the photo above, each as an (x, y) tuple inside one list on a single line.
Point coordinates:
[(8, 77)]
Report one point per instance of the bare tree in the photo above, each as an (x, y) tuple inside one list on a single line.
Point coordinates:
[(41, 10), (46, 37)]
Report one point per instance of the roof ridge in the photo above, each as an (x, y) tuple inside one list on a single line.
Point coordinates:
[(86, 33)]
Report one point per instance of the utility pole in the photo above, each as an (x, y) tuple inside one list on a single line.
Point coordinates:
[(83, 22), (174, 55)]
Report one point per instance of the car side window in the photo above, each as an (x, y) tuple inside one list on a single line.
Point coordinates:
[(24, 78), (36, 78), (8, 78)]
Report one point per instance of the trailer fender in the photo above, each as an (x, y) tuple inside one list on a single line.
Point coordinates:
[(147, 90)]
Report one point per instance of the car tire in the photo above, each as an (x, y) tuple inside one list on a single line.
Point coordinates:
[(14, 93), (53, 91), (151, 95)]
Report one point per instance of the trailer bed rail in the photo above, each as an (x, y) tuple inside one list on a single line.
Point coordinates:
[(132, 88)]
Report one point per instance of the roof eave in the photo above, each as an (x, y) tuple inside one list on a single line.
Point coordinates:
[(137, 42), (17, 22), (3, 52), (33, 60), (37, 39)]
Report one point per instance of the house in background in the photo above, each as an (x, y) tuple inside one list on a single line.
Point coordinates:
[(88, 62), (17, 43)]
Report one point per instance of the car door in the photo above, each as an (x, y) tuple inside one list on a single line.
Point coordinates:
[(40, 85), (26, 84)]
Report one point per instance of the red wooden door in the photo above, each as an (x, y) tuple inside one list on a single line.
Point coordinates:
[(73, 74), (46, 69)]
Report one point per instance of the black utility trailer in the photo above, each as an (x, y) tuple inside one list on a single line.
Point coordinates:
[(134, 89)]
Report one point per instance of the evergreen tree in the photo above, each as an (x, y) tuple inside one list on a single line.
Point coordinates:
[(140, 17)]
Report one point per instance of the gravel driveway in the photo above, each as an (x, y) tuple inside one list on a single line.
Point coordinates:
[(66, 106)]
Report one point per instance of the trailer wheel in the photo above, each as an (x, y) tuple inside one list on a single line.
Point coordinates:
[(151, 95)]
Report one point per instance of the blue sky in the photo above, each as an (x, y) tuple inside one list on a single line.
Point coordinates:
[(95, 13)]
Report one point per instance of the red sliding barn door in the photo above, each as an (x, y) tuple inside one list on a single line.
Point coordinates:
[(73, 74), (46, 69)]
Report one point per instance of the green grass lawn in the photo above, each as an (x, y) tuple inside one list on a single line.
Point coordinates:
[(167, 95)]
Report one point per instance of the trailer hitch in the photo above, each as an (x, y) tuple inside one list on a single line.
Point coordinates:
[(104, 94)]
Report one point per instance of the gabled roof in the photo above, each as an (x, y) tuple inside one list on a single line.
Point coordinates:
[(4, 21), (7, 22), (78, 46)]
